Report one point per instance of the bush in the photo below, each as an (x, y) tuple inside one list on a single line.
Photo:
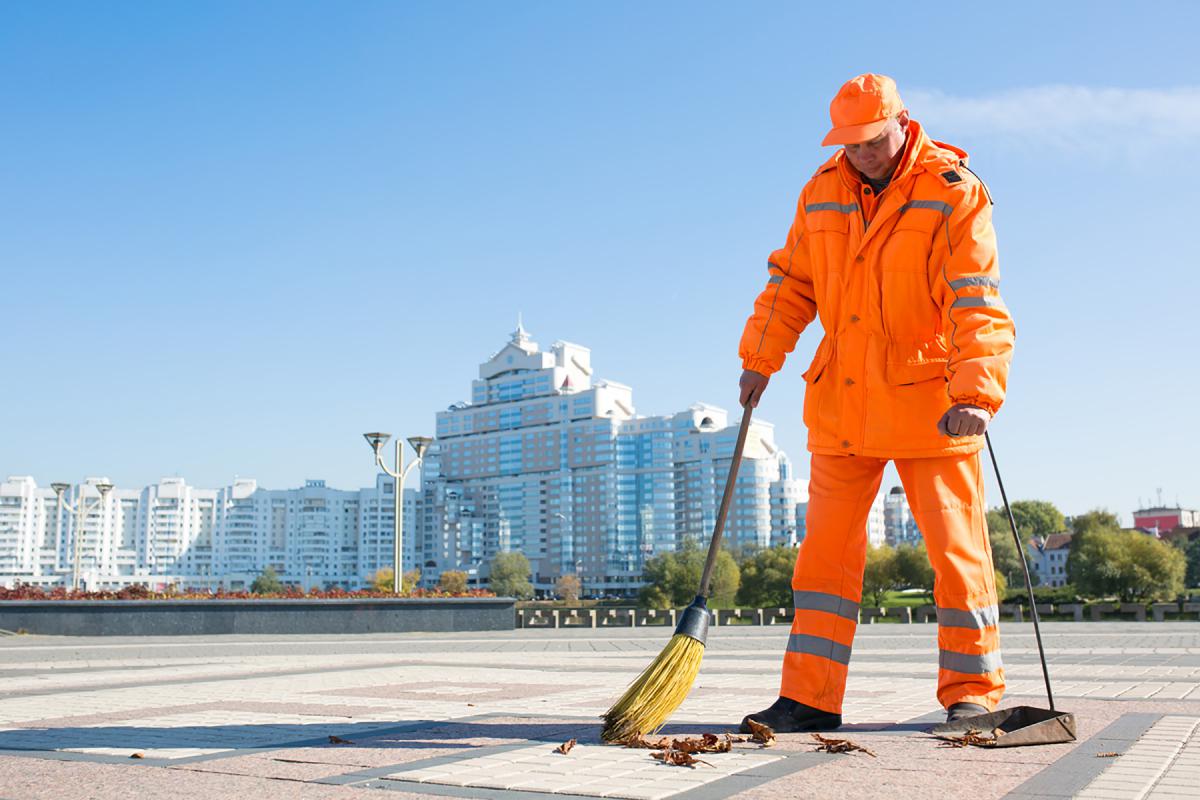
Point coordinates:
[(453, 581), (382, 581), (509, 575), (1042, 594), (267, 583), (27, 592), (567, 587)]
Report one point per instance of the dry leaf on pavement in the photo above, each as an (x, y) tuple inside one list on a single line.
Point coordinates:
[(761, 733), (969, 738), (565, 747), (678, 758), (827, 745), (642, 743)]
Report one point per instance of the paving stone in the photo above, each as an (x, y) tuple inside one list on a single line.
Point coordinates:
[(205, 702)]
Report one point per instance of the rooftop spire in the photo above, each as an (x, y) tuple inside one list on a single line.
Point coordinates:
[(520, 336)]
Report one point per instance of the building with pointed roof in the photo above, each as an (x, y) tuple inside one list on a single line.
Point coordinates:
[(549, 461)]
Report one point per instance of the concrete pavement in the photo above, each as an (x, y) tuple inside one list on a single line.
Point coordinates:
[(478, 715)]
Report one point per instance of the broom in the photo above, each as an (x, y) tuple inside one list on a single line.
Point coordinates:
[(661, 688)]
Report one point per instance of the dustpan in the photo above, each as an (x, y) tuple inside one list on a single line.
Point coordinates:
[(1020, 725), (1014, 727)]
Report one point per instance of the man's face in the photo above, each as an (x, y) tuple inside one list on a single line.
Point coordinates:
[(878, 158)]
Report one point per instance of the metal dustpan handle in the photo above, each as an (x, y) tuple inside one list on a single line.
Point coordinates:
[(1037, 629)]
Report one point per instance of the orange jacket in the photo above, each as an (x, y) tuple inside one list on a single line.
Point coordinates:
[(907, 289)]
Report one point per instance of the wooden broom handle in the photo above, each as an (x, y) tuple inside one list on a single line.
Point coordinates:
[(714, 546)]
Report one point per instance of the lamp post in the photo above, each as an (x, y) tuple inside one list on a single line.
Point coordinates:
[(419, 444), (80, 509)]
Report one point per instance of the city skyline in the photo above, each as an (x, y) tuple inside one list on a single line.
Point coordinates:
[(891, 479), (239, 236)]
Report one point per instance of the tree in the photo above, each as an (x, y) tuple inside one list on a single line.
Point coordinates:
[(509, 575), (1191, 553), (1037, 518), (767, 578), (453, 581), (382, 581), (1005, 557), (567, 587), (672, 579), (267, 583), (881, 574), (1002, 586), (913, 570), (1129, 565), (1096, 519)]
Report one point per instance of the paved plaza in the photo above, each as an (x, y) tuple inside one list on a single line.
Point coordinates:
[(478, 715)]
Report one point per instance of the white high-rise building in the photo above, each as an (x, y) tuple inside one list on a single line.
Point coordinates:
[(550, 462), (173, 533)]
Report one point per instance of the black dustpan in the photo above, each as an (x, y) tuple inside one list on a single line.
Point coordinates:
[(1020, 725)]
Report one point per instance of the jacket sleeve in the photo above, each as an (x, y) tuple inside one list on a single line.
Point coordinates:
[(784, 308), (977, 325)]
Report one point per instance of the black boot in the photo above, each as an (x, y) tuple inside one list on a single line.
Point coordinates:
[(788, 716), (958, 711)]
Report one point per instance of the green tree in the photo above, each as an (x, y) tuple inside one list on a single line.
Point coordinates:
[(767, 578), (453, 581), (267, 583), (567, 587), (1036, 518), (509, 575), (1005, 557), (881, 574), (1191, 553), (675, 579), (1096, 519), (1128, 565), (913, 570)]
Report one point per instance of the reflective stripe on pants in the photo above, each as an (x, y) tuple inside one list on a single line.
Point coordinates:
[(946, 496)]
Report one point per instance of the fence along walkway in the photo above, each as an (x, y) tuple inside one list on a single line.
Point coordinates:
[(568, 617)]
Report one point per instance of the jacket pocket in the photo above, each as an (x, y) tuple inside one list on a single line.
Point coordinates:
[(819, 362), (916, 361)]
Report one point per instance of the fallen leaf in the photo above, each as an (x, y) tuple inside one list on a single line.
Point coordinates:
[(565, 747), (1111, 754), (827, 745), (642, 743), (339, 740), (678, 758), (969, 738), (761, 733), (142, 755)]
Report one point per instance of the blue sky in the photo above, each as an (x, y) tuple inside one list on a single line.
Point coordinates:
[(236, 235)]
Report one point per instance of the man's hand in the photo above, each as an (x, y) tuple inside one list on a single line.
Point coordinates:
[(964, 420), (753, 385)]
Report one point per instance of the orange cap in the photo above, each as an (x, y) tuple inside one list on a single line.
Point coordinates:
[(862, 108)]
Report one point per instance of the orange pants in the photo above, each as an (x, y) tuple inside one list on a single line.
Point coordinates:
[(946, 497)]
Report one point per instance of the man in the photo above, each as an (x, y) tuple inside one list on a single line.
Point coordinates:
[(893, 248)]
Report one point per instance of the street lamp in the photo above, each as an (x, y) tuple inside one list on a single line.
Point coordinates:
[(419, 444), (81, 509)]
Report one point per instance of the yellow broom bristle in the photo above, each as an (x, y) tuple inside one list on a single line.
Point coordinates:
[(658, 691)]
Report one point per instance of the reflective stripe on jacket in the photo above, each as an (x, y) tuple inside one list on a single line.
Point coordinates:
[(909, 298)]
